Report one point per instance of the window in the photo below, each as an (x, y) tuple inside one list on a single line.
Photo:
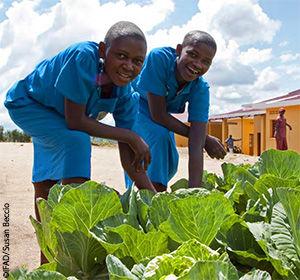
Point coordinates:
[(272, 130)]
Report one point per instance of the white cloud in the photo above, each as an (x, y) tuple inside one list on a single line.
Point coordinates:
[(283, 43), (30, 34), (67, 22), (230, 72), (268, 80), (289, 57), (242, 21), (291, 71), (20, 36), (214, 109), (230, 65), (229, 98), (4, 54), (230, 94), (165, 37), (255, 56), (234, 95)]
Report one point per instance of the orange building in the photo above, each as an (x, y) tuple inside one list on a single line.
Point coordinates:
[(254, 124)]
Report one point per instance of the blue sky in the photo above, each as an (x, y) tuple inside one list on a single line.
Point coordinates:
[(258, 40)]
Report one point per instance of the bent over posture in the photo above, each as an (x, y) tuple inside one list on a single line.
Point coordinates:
[(170, 79), (60, 102)]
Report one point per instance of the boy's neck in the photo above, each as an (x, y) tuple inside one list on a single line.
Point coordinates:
[(106, 90), (181, 85)]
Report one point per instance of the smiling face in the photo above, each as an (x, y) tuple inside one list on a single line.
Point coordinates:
[(193, 61), (123, 59)]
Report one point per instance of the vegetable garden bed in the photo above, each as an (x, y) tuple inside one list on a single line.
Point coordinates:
[(244, 224)]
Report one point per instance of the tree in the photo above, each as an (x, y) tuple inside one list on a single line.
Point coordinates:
[(1, 133), (15, 136)]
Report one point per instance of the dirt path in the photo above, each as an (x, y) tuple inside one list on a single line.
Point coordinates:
[(16, 192)]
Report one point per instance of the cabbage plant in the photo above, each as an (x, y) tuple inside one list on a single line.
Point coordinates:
[(244, 224)]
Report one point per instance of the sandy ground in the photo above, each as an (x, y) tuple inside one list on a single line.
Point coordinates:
[(17, 191)]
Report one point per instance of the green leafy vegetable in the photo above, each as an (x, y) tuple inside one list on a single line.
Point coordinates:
[(243, 225)]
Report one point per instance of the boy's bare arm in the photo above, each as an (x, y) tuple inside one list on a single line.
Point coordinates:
[(77, 120), (196, 144), (140, 178), (159, 114), (214, 147)]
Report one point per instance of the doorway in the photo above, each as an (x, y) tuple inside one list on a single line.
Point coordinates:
[(258, 143), (251, 138)]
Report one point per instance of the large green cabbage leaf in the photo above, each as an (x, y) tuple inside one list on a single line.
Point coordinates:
[(117, 270), (240, 243), (21, 274), (256, 274), (190, 261), (63, 233), (83, 207), (196, 217), (45, 231), (124, 240), (250, 216), (282, 164)]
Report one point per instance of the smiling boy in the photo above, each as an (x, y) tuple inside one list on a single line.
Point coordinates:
[(170, 79), (60, 102)]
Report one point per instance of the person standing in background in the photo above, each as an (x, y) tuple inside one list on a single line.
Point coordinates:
[(280, 131), (230, 142)]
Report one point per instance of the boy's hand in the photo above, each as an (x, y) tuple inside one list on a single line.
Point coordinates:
[(214, 147), (141, 154)]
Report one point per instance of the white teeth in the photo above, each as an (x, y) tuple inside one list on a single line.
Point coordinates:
[(193, 70), (124, 75)]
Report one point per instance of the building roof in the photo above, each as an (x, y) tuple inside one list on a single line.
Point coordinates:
[(290, 99), (253, 109), (245, 113), (259, 108)]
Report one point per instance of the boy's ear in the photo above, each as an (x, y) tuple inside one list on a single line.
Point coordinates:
[(101, 49), (178, 49)]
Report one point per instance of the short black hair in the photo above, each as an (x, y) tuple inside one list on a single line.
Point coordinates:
[(197, 36), (124, 29)]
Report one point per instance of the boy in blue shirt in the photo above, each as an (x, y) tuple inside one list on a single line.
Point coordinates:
[(170, 78), (60, 102), (230, 142)]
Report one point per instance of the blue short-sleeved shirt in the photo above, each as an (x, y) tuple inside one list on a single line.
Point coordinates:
[(158, 77), (72, 74), (230, 142)]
